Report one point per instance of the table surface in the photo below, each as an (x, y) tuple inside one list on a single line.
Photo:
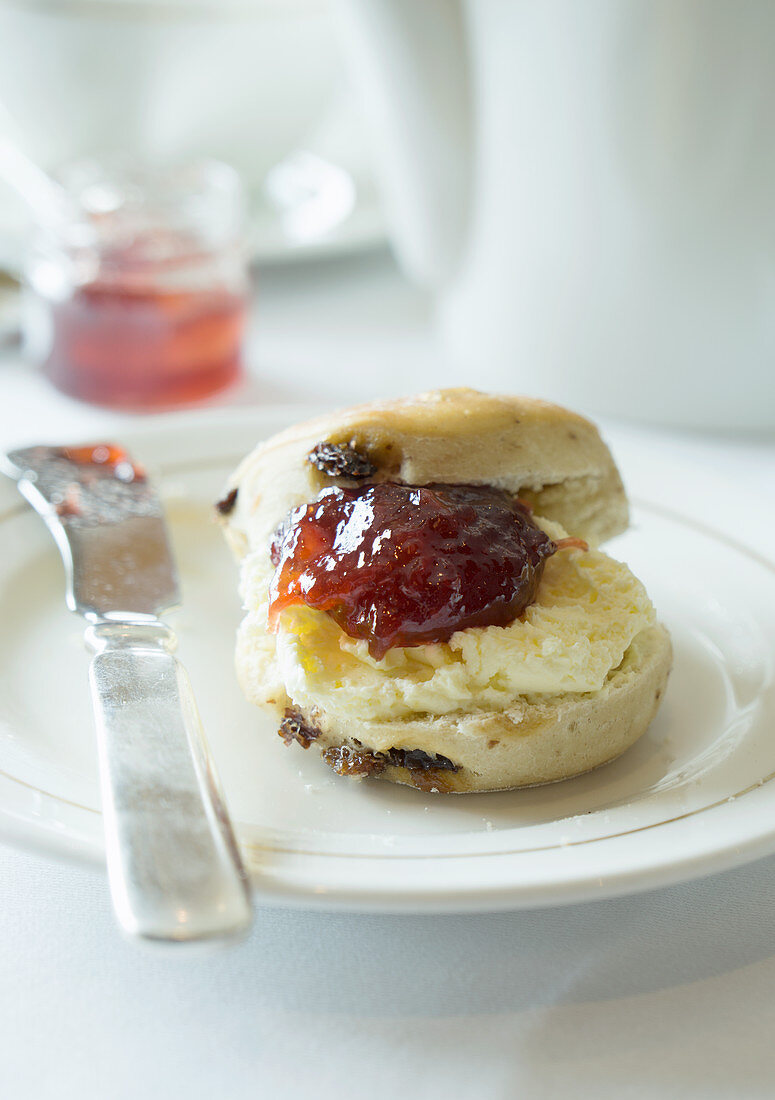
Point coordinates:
[(671, 992)]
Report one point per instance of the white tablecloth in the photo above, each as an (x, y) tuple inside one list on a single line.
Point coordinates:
[(669, 993)]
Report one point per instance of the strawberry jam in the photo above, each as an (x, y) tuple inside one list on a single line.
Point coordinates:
[(402, 565), (105, 456)]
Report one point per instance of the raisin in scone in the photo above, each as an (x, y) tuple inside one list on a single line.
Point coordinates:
[(426, 601)]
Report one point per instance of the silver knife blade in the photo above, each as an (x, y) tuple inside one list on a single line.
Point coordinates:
[(174, 864), (108, 523)]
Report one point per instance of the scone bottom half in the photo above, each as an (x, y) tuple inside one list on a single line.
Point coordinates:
[(567, 685)]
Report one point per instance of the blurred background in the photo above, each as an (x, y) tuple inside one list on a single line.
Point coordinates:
[(212, 206), (268, 200)]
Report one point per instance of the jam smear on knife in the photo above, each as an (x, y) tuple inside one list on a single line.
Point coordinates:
[(108, 457), (403, 565)]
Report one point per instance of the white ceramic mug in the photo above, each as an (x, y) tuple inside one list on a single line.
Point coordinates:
[(590, 187)]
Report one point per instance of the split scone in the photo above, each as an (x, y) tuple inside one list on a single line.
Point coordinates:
[(425, 598)]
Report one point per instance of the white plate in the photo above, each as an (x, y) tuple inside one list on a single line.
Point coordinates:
[(693, 796)]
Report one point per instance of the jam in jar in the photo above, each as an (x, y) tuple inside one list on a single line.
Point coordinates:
[(137, 298)]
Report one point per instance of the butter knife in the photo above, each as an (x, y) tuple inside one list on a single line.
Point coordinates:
[(173, 862)]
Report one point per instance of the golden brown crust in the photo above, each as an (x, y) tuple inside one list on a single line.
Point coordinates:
[(554, 458)]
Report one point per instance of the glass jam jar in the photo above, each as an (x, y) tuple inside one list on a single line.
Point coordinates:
[(136, 298)]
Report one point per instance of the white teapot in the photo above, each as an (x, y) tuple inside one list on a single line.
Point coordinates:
[(589, 187)]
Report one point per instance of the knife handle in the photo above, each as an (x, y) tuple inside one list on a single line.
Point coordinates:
[(173, 862)]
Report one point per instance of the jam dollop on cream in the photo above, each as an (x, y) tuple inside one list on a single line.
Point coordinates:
[(403, 565)]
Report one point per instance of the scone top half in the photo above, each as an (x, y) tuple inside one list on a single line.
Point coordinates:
[(380, 719), (553, 458)]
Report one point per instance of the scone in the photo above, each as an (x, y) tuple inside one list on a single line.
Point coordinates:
[(425, 599)]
